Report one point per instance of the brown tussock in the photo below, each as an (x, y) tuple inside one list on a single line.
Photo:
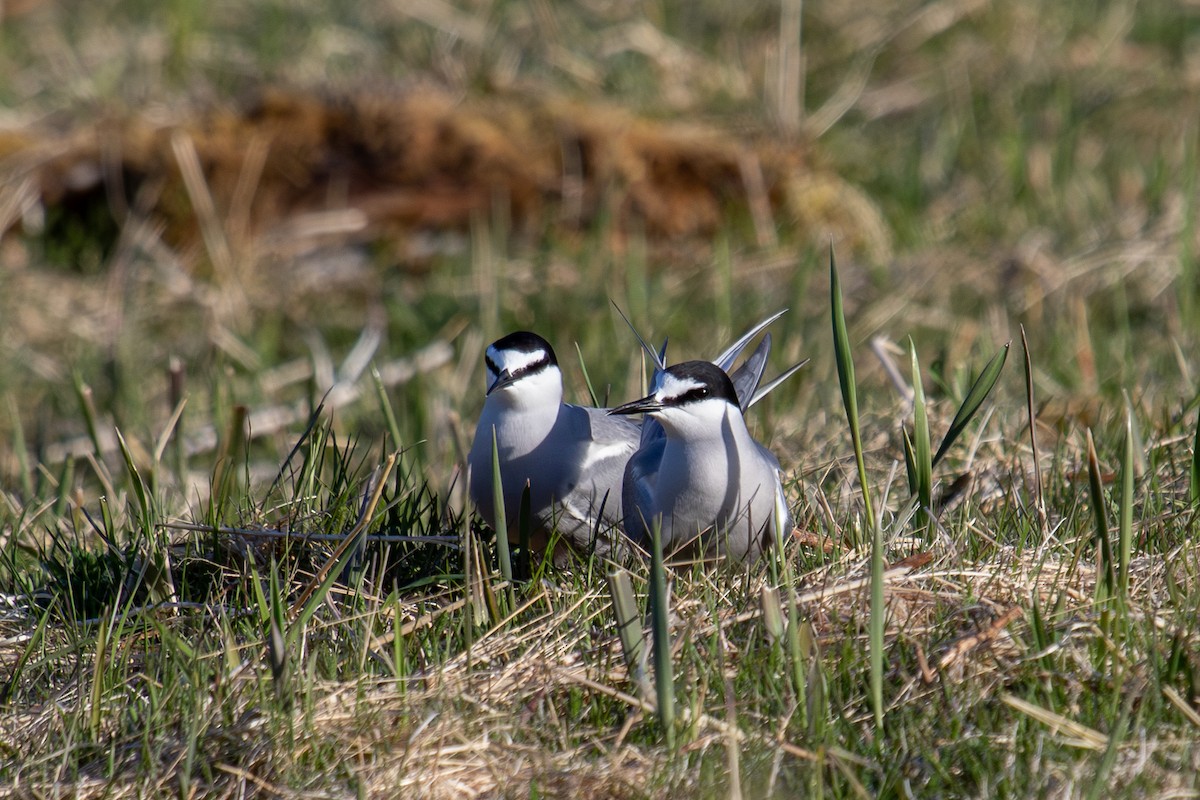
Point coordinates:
[(420, 159)]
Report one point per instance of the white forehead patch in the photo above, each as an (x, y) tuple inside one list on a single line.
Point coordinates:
[(671, 386), (514, 360)]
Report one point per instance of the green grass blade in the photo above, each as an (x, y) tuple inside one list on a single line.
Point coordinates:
[(99, 665), (781, 569), (796, 653), (587, 379), (1125, 519), (20, 448), (772, 613), (87, 405), (1194, 477), (845, 368), (1101, 781), (876, 623), (1106, 583), (910, 462), (629, 628), (232, 447), (922, 465), (970, 405), (35, 640), (66, 482), (385, 405), (525, 534), (502, 551), (1039, 487), (664, 676), (277, 645), (177, 397), (318, 587), (135, 477), (157, 571)]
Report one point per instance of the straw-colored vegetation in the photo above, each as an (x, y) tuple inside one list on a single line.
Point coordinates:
[(250, 256)]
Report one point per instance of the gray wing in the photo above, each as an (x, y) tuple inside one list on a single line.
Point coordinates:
[(637, 492), (613, 441), (608, 429), (763, 391), (726, 359), (774, 509), (784, 513), (746, 377), (584, 475)]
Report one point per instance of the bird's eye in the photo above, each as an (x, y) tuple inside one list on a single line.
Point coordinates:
[(704, 391)]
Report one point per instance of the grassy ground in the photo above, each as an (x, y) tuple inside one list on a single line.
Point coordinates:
[(997, 165)]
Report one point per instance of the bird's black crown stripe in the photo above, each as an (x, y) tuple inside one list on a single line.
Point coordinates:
[(712, 379), (525, 342)]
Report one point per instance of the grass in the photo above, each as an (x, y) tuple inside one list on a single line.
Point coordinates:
[(235, 552)]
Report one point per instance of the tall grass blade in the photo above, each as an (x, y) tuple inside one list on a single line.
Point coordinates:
[(629, 628), (772, 613), (177, 397), (845, 368), (277, 644), (975, 396), (875, 624), (525, 535), (910, 462), (664, 676), (224, 478), (87, 405), (315, 435), (469, 605), (587, 379), (261, 604), (35, 640), (1039, 500), (817, 707), (318, 588), (922, 465), (781, 568), (796, 654), (1194, 477), (157, 571), (501, 518), (1101, 781), (1106, 584), (66, 482), (1186, 289), (20, 449), (99, 666), (385, 405), (1125, 506), (845, 362), (135, 477), (169, 433)]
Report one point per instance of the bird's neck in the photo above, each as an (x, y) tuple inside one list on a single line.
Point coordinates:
[(521, 421), (729, 428)]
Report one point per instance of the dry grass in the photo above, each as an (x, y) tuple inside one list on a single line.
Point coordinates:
[(278, 200)]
